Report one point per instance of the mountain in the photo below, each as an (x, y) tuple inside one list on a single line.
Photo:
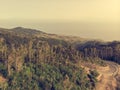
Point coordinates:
[(34, 60), (26, 32), (109, 50)]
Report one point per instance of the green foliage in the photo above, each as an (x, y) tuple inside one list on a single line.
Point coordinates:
[(93, 74), (48, 77), (32, 63), (3, 70)]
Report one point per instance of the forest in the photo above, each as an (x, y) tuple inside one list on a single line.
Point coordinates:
[(32, 62)]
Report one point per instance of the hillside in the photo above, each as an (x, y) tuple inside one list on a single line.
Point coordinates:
[(21, 31), (35, 60), (104, 50)]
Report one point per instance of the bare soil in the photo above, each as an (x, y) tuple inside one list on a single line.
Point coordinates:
[(107, 79)]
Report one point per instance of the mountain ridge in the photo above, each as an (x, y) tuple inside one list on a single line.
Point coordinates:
[(27, 32)]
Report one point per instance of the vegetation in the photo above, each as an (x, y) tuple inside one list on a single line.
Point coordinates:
[(105, 51), (33, 63), (29, 62)]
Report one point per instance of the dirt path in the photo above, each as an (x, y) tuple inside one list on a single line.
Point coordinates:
[(107, 79)]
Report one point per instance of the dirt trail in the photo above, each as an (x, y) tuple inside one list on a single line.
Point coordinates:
[(107, 78)]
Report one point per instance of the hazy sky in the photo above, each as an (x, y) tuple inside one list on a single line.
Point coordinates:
[(31, 13)]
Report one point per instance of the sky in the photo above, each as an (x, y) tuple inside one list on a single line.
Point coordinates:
[(69, 17)]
